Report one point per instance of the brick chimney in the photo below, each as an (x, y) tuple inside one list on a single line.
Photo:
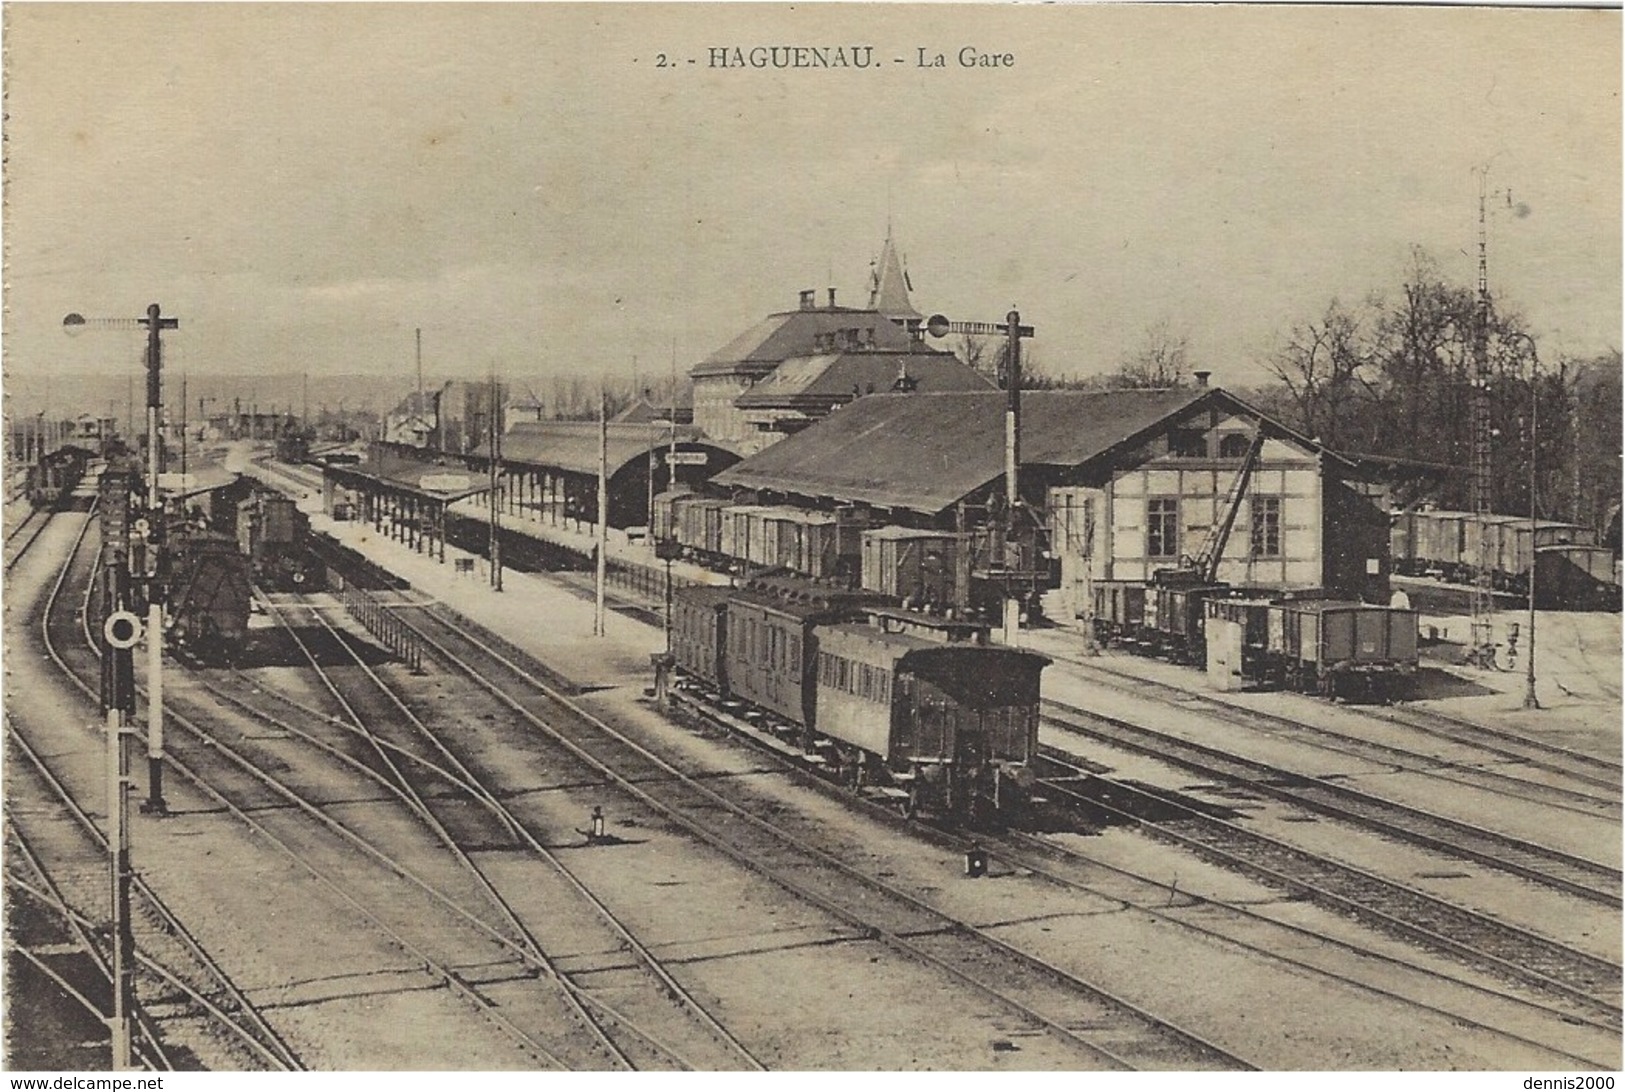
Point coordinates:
[(807, 299), (832, 299), (1201, 378)]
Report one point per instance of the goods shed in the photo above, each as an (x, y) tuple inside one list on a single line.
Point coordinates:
[(1125, 483)]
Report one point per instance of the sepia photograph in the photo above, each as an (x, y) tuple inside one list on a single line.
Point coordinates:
[(711, 538)]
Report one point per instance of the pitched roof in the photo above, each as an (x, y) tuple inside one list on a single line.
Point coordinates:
[(829, 379), (573, 445), (888, 292), (926, 451), (796, 333)]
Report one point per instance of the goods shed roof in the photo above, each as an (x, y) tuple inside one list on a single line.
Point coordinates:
[(925, 452)]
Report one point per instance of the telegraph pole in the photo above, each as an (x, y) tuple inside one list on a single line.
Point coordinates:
[(494, 450), (601, 569), (1013, 331), (1481, 651)]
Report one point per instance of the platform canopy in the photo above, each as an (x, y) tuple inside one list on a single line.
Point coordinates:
[(571, 447)]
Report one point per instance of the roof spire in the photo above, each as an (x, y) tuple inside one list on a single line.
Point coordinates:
[(889, 285)]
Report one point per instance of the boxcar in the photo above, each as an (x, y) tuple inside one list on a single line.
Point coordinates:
[(1335, 647), (919, 567), (662, 523), (955, 725), (699, 522)]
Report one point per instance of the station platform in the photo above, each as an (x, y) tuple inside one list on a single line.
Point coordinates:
[(620, 548), (537, 614)]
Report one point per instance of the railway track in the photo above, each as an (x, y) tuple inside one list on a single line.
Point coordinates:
[(172, 957), (489, 978), (1070, 868), (1481, 940), (442, 804), (1106, 1027), (1550, 867), (1593, 782)]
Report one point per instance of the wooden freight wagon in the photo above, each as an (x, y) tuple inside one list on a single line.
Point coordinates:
[(699, 526), (922, 567), (1119, 610), (805, 541), (663, 520), (1337, 647), (1179, 616)]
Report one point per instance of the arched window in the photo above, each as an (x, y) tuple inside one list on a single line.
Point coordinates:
[(1233, 446)]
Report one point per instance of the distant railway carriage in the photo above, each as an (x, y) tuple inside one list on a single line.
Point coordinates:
[(772, 643), (56, 475), (955, 725), (699, 621), (1176, 613), (1332, 647), (274, 535), (921, 567), (663, 519), (1120, 611)]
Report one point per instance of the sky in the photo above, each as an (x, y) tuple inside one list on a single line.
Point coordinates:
[(303, 185)]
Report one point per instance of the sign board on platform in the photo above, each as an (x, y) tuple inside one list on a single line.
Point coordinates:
[(687, 458), (445, 483)]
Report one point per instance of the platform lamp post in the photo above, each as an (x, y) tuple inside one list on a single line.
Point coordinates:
[(1529, 699), (1013, 331), (155, 323)]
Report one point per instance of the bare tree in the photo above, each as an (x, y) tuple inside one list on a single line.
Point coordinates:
[(1161, 361)]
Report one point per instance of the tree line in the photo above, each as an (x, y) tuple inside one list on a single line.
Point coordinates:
[(1393, 375)]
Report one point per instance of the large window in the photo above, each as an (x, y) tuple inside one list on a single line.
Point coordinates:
[(1266, 526), (1162, 527)]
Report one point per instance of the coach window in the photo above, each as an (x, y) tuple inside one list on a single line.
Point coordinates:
[(1266, 526), (1162, 527)]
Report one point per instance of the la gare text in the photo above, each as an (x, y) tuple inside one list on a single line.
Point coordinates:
[(862, 56)]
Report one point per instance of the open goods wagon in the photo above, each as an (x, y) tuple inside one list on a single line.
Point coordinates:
[(1340, 648), (1576, 577)]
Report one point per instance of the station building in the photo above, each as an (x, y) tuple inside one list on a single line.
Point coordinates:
[(794, 367), (1123, 483)]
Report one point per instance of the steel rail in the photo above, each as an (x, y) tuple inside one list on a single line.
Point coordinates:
[(801, 890), (1040, 848), (1534, 753), (1351, 805), (443, 972), (472, 784), (420, 807), (1592, 967)]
